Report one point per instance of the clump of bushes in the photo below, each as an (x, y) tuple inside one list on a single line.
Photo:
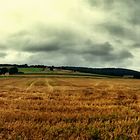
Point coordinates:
[(12, 70)]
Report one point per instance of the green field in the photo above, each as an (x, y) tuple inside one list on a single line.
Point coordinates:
[(30, 70)]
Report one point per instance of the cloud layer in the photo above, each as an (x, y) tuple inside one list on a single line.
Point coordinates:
[(94, 33)]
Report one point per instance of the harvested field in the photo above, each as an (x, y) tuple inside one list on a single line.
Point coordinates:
[(69, 108)]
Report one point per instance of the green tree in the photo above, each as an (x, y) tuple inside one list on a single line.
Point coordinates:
[(4, 70), (13, 70)]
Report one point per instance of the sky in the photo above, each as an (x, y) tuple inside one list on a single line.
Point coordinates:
[(87, 33)]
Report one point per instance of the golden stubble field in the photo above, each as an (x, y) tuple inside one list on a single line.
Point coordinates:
[(69, 109)]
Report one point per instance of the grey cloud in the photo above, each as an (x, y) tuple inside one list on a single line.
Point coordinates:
[(107, 4), (77, 44), (110, 58), (3, 46), (98, 49), (119, 31), (73, 55), (3, 54), (135, 19), (136, 46), (135, 13), (124, 54), (99, 2), (66, 42), (125, 10), (45, 40), (42, 47), (73, 59), (106, 53)]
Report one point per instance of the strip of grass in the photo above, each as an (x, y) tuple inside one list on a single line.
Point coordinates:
[(54, 76), (71, 74)]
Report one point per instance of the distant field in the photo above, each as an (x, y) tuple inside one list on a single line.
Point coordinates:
[(69, 108), (62, 73), (30, 70)]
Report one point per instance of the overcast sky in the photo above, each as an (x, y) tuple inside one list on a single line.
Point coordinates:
[(93, 33)]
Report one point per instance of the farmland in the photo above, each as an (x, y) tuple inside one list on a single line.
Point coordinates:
[(30, 70), (36, 108)]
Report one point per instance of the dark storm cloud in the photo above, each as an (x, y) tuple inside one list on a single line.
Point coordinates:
[(124, 54), (136, 46), (65, 44), (118, 31), (42, 47), (106, 53), (98, 49), (83, 59), (45, 40)]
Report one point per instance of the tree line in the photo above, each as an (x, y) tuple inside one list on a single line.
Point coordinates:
[(101, 71), (104, 71)]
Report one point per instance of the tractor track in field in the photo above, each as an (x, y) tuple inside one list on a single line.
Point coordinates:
[(35, 81), (49, 86), (31, 85)]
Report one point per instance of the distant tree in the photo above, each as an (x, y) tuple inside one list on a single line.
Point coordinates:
[(0, 71), (52, 68), (3, 70), (13, 70), (25, 66)]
